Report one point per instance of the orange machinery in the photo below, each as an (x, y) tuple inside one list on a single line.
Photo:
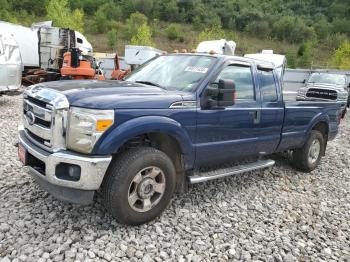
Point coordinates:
[(117, 73), (77, 66)]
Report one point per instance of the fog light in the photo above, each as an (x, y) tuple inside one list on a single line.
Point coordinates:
[(74, 172), (68, 172)]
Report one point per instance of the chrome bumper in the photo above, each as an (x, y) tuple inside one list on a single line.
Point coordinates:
[(93, 168)]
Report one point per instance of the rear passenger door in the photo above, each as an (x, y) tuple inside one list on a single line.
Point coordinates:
[(272, 110)]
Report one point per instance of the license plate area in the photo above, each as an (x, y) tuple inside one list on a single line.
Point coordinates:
[(22, 154)]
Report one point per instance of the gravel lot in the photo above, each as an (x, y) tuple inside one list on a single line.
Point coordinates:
[(273, 215)]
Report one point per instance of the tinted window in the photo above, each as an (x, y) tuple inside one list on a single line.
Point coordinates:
[(242, 76), (267, 86)]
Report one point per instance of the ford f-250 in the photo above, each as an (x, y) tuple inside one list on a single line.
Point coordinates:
[(137, 141)]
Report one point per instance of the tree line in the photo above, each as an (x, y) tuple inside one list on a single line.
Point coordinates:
[(291, 20), (305, 23)]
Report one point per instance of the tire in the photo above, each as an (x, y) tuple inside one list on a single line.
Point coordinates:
[(129, 180), (306, 160)]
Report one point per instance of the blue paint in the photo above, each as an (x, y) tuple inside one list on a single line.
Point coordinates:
[(206, 136)]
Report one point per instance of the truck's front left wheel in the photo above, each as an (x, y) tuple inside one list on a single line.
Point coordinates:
[(139, 185)]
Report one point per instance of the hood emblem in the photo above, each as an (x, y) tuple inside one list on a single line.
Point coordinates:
[(30, 118)]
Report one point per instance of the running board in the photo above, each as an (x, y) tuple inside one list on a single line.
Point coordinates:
[(224, 172)]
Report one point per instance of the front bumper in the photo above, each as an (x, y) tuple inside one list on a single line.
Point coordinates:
[(81, 191)]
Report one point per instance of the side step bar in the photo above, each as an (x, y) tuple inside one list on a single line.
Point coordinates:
[(219, 173)]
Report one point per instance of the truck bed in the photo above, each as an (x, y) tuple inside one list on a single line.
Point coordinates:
[(301, 116)]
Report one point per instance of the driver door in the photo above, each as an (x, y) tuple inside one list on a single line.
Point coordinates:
[(229, 133)]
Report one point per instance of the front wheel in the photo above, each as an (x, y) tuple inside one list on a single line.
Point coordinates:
[(308, 157), (139, 185)]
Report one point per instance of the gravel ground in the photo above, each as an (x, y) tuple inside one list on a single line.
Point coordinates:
[(273, 215)]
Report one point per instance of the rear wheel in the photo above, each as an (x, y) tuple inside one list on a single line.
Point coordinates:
[(139, 185), (308, 157)]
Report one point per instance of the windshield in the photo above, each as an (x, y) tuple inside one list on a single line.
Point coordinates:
[(173, 72), (323, 78)]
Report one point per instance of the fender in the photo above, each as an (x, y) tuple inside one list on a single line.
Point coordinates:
[(115, 138), (320, 117)]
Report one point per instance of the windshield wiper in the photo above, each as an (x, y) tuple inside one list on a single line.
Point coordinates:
[(150, 83)]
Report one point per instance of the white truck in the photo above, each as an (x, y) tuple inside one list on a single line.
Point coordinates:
[(34, 52)]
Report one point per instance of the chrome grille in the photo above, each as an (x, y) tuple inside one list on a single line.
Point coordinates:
[(45, 117)]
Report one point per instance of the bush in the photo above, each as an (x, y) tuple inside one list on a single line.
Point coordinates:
[(341, 57), (143, 36), (341, 26), (112, 39), (111, 10), (293, 29), (173, 32), (259, 28), (211, 33), (291, 60), (304, 55), (101, 21), (322, 28), (335, 40), (133, 24)]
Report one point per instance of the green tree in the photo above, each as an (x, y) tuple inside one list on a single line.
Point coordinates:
[(293, 29), (322, 28), (59, 12), (133, 23), (101, 21), (143, 36), (112, 39), (304, 55), (333, 41), (210, 33), (291, 60), (341, 57), (259, 28), (173, 32), (111, 10)]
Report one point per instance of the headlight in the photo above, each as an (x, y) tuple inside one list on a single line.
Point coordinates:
[(343, 95), (85, 126)]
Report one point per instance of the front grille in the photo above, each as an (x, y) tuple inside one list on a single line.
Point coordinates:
[(37, 101), (45, 113), (322, 94), (37, 116), (37, 138)]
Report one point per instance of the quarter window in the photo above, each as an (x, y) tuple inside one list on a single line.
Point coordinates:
[(242, 76), (268, 88)]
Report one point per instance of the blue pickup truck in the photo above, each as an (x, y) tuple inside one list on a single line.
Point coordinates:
[(169, 124)]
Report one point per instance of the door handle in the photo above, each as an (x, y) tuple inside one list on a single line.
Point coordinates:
[(256, 116)]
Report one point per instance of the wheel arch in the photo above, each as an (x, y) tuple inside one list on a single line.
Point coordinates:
[(165, 133)]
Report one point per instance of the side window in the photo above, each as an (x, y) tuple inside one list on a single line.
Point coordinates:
[(79, 40), (242, 75), (268, 87)]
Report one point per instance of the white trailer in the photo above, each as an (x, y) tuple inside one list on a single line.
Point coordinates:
[(40, 46)]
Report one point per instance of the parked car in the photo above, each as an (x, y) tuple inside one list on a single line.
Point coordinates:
[(326, 87), (138, 141)]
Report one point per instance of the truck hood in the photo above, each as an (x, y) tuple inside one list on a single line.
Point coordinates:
[(114, 94), (326, 86)]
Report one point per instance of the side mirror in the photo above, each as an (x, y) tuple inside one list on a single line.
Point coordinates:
[(349, 85), (223, 96), (304, 81)]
